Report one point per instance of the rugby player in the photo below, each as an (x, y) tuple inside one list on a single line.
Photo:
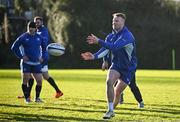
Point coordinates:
[(31, 49), (121, 43)]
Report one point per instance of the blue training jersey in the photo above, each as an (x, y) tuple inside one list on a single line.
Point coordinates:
[(34, 46), (123, 49), (43, 31)]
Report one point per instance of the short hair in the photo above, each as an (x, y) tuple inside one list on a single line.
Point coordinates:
[(120, 15), (38, 17), (31, 24)]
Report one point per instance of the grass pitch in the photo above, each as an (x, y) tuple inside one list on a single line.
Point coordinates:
[(85, 99)]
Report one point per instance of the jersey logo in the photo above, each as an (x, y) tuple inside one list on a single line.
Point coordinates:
[(38, 39), (27, 40), (39, 33)]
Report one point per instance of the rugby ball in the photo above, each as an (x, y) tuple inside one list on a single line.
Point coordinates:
[(56, 49)]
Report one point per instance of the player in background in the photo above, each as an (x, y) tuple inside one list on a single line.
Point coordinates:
[(133, 86), (121, 43), (43, 31), (32, 53)]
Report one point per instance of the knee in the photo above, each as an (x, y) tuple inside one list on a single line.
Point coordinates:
[(109, 82), (25, 80), (46, 76), (39, 82)]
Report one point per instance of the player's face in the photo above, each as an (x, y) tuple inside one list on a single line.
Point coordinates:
[(32, 31), (38, 23), (117, 23)]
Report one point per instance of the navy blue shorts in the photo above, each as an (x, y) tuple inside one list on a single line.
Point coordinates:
[(26, 68), (125, 75)]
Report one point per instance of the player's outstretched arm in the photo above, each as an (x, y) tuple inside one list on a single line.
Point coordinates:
[(87, 56), (92, 39)]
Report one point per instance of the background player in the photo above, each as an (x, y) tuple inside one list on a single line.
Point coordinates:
[(31, 49)]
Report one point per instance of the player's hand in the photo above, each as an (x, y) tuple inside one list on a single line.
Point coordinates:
[(87, 56), (105, 65), (92, 39), (25, 59)]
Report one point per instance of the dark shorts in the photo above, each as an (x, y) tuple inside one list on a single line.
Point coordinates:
[(26, 68), (125, 75)]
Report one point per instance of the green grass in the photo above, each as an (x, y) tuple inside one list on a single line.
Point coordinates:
[(85, 99)]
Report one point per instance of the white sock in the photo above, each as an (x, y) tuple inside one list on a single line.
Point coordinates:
[(110, 106)]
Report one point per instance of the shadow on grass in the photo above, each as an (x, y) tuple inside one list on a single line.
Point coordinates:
[(159, 115), (97, 104), (150, 110), (88, 99), (158, 105), (32, 117), (66, 108), (156, 110)]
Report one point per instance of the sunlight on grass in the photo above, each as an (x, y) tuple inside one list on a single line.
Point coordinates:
[(85, 99)]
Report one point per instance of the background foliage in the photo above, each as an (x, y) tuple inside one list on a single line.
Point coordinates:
[(155, 24)]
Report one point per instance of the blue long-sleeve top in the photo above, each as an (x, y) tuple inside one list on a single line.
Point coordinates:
[(32, 46), (43, 31), (123, 48)]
